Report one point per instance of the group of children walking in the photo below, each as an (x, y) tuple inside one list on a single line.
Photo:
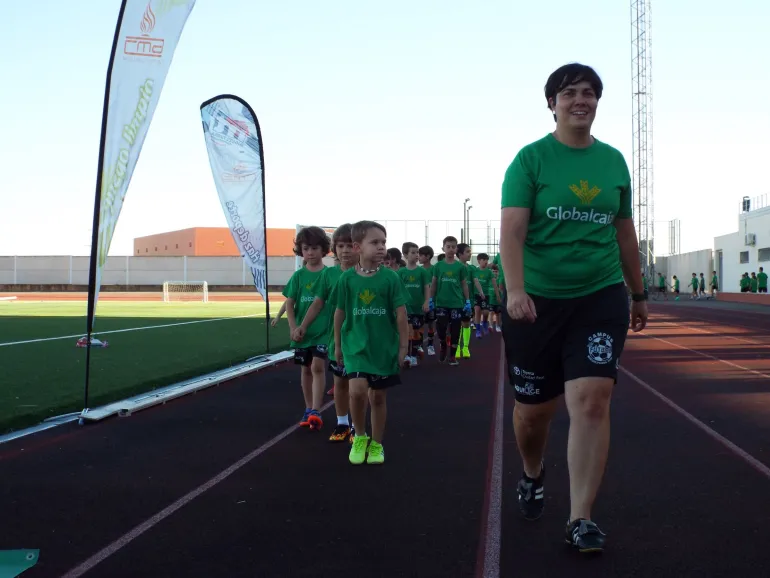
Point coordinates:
[(367, 317)]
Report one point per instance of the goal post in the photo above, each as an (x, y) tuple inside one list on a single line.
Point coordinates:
[(185, 291)]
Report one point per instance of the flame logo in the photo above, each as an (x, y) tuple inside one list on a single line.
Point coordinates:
[(148, 20)]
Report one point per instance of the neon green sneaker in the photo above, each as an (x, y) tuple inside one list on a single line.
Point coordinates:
[(376, 454), (358, 451)]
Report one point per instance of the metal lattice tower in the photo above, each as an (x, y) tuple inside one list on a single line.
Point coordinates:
[(641, 65)]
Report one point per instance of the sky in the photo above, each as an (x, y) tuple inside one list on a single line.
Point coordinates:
[(396, 110)]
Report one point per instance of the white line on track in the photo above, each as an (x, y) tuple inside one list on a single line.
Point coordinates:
[(148, 524), (736, 450), (78, 335), (493, 530), (699, 330), (712, 357)]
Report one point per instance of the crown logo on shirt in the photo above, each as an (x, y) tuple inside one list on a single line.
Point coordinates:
[(585, 194)]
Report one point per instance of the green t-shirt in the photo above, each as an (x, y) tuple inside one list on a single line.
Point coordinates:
[(662, 282), (324, 290), (485, 279), (676, 284), (762, 277), (714, 280), (429, 270), (753, 284), (449, 287), (644, 283), (491, 295), (744, 282), (574, 195), (301, 288), (694, 283), (369, 334), (414, 281)]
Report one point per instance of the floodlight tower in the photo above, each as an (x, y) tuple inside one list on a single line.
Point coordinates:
[(641, 74)]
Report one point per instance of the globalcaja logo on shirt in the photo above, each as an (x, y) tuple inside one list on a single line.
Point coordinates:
[(586, 196), (411, 282), (449, 277), (307, 298), (366, 298)]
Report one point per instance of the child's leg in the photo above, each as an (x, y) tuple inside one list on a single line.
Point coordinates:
[(342, 399), (465, 337), (318, 369), (377, 399), (454, 336), (359, 388), (306, 381)]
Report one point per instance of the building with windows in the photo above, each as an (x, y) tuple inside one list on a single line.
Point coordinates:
[(749, 248), (208, 242)]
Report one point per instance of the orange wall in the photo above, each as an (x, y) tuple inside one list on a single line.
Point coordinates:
[(208, 242)]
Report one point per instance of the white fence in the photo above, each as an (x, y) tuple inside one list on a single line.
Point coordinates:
[(69, 270), (685, 264)]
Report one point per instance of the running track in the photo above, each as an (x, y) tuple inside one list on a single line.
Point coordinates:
[(677, 501)]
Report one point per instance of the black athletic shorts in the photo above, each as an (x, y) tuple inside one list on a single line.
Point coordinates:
[(482, 302), (304, 356), (715, 287), (762, 289), (336, 369), (416, 321), (430, 316), (453, 314), (571, 338), (377, 381)]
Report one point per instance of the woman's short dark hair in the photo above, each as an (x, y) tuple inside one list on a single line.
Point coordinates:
[(568, 74), (313, 237)]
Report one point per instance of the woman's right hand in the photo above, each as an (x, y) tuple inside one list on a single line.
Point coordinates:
[(520, 306)]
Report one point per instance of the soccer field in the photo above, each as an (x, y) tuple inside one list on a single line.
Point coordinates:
[(151, 345)]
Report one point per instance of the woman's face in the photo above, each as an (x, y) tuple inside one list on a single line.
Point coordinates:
[(575, 106)]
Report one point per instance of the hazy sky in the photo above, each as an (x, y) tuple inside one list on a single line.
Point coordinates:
[(395, 110)]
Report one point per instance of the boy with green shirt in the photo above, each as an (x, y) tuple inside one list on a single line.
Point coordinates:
[(482, 309), (310, 351), (495, 299), (762, 280), (325, 300), (426, 256), (417, 285), (371, 336), (449, 288), (464, 256), (694, 286)]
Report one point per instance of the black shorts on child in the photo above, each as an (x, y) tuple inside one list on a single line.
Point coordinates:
[(304, 355), (377, 381)]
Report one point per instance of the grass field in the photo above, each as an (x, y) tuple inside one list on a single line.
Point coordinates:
[(151, 345)]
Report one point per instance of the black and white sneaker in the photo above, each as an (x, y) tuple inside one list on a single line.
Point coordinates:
[(585, 536), (531, 495)]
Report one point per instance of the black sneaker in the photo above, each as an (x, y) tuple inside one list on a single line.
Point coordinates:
[(531, 495), (585, 536)]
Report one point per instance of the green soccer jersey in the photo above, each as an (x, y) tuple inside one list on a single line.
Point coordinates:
[(301, 288), (714, 281), (574, 196), (449, 287), (676, 284), (694, 283), (485, 279), (501, 274), (414, 281), (324, 289), (662, 282), (369, 334), (644, 283), (744, 282), (762, 279), (753, 284)]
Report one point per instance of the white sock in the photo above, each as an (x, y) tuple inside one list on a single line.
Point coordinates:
[(342, 420)]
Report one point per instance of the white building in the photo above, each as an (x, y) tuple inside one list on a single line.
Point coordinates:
[(746, 250)]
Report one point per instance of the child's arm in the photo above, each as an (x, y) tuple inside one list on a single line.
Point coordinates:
[(313, 311), (479, 288), (433, 285), (339, 319), (426, 305), (465, 289), (403, 334), (290, 314), (277, 318)]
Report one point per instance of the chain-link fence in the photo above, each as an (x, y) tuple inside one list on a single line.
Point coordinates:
[(482, 236)]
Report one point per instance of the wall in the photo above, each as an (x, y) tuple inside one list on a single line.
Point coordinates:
[(208, 242), (214, 242), (731, 246), (173, 243), (684, 265), (139, 270)]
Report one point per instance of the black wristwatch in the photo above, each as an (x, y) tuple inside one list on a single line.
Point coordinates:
[(638, 297)]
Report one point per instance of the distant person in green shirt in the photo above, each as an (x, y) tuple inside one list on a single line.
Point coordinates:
[(416, 282), (311, 351), (753, 282), (745, 283), (702, 286), (762, 279), (476, 291), (676, 287), (371, 337), (482, 309), (450, 293), (425, 257), (567, 241), (324, 301), (694, 286), (714, 284)]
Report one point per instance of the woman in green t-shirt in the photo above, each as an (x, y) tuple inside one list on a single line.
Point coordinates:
[(567, 240)]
